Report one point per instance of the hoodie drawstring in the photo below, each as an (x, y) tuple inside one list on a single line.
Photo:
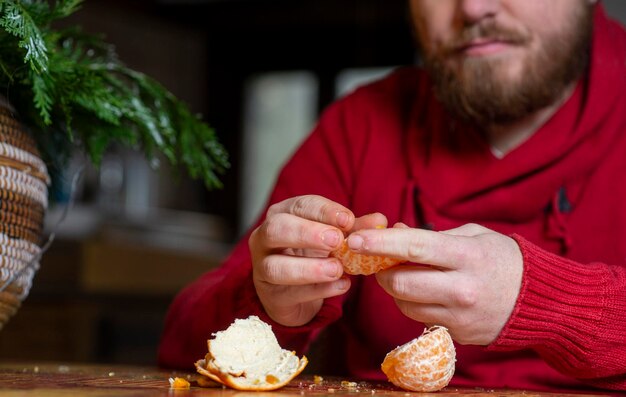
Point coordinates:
[(556, 224), (413, 210)]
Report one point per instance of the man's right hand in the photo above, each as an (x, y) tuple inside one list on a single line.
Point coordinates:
[(292, 272)]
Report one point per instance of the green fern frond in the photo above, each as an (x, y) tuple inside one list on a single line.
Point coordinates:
[(17, 20), (41, 96), (72, 87), (64, 8)]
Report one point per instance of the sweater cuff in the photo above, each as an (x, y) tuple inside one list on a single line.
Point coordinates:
[(562, 305)]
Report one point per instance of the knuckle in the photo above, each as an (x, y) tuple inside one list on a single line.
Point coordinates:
[(262, 270), (276, 272), (272, 274), (472, 226), (313, 207), (473, 229), (255, 246), (271, 230), (465, 295), (253, 239), (272, 210), (415, 251), (398, 286), (325, 211), (301, 205)]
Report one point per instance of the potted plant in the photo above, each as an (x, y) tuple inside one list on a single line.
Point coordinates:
[(62, 91)]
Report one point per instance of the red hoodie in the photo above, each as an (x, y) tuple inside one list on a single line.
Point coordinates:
[(390, 147)]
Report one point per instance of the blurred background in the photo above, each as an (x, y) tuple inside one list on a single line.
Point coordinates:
[(259, 72)]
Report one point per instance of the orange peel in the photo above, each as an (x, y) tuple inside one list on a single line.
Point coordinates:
[(246, 356), (179, 383), (424, 364)]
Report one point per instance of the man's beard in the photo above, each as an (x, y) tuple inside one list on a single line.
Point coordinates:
[(477, 92)]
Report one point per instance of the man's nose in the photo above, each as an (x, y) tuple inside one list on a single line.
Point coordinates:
[(472, 11)]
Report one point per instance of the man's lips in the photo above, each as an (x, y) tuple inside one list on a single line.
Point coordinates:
[(483, 47)]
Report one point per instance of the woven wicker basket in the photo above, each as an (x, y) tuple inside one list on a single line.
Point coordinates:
[(23, 202)]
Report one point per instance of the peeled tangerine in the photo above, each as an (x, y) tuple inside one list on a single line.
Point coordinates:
[(247, 356), (424, 364), (354, 263)]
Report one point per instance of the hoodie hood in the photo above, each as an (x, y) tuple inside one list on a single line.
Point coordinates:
[(456, 179)]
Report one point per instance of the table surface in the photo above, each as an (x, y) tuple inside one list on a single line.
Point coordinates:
[(53, 379)]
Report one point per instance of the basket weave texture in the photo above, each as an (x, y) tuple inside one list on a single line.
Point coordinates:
[(24, 184)]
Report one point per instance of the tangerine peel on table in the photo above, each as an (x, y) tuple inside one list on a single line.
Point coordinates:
[(179, 383), (247, 356)]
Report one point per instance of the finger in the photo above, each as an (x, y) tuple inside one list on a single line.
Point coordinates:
[(291, 295), (288, 270), (295, 315), (370, 221), (425, 285), (285, 230), (316, 208), (427, 313), (413, 245)]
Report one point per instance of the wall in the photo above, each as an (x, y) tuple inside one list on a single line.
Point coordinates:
[(616, 8)]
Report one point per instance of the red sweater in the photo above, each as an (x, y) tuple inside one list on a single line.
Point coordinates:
[(390, 147)]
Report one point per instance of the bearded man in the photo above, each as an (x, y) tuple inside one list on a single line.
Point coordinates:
[(498, 164)]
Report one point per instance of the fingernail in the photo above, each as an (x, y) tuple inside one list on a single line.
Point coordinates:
[(331, 269), (342, 284), (342, 219), (356, 242), (331, 238)]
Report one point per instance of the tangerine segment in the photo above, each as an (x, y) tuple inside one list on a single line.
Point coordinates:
[(354, 263), (424, 364)]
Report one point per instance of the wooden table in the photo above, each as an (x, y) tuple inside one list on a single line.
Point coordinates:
[(52, 380)]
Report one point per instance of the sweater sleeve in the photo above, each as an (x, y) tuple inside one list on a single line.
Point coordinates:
[(320, 166), (572, 314), (214, 301)]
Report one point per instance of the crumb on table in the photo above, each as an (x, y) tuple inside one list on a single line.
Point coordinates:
[(179, 383)]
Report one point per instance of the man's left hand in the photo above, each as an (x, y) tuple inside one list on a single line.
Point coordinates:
[(466, 279)]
